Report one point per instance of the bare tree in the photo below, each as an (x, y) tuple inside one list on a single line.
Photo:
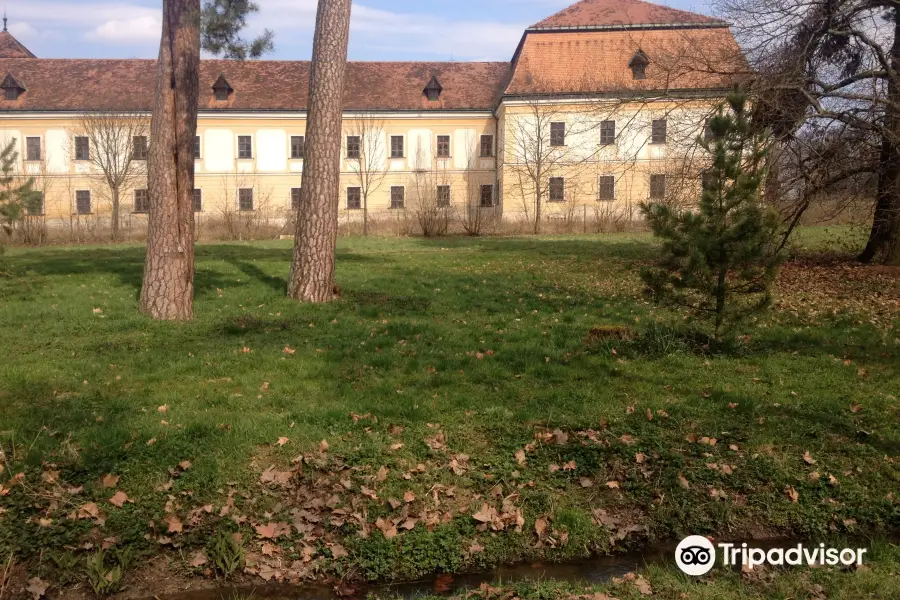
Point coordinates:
[(312, 267), (370, 165), (430, 195), (832, 69), (117, 150)]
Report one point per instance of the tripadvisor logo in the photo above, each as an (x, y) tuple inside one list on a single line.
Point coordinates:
[(696, 555)]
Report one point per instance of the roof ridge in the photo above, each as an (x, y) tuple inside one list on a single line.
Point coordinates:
[(607, 9), (9, 39)]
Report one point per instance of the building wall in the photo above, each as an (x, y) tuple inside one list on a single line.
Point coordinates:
[(525, 131), (271, 172)]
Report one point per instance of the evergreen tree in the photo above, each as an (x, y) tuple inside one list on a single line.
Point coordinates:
[(719, 259), (16, 193)]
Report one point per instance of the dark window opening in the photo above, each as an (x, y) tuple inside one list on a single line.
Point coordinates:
[(557, 189), (196, 147), (487, 146), (398, 195), (245, 199), (606, 190), (245, 147), (139, 147), (141, 201), (83, 202), (639, 71), (298, 146), (557, 134), (197, 199), (443, 146), (11, 93), (487, 196), (607, 132), (354, 198), (295, 198), (396, 146), (708, 134), (82, 148), (35, 206), (659, 131), (657, 187), (33, 148), (353, 146), (433, 90), (443, 196)]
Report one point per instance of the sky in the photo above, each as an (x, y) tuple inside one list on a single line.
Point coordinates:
[(434, 30)]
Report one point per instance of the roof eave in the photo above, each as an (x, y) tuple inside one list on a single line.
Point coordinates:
[(629, 26)]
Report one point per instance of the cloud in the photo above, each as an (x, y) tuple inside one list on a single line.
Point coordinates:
[(128, 31)]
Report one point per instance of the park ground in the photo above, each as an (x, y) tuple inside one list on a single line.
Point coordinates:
[(465, 403)]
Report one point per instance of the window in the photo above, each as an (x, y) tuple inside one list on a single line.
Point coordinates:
[(398, 194), (658, 135), (443, 196), (221, 95), (353, 149), (557, 189), (83, 202), (33, 148), (487, 195), (295, 198), (197, 199), (245, 147), (11, 93), (708, 134), (141, 201), (443, 146), (245, 199), (298, 146), (35, 206), (139, 147), (639, 71), (354, 198), (396, 146), (657, 187), (557, 134), (607, 132), (196, 147), (487, 146), (606, 189), (82, 148)]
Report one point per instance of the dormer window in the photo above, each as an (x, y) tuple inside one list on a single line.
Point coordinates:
[(433, 90), (12, 89), (222, 89), (638, 65)]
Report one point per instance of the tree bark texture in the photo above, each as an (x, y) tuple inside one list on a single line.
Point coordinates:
[(884, 238), (168, 287), (114, 233), (312, 268)]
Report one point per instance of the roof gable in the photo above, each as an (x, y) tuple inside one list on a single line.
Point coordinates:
[(11, 48), (599, 14)]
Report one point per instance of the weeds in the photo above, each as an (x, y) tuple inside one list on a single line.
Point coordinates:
[(226, 553)]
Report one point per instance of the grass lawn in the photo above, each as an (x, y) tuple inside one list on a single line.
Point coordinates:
[(452, 411)]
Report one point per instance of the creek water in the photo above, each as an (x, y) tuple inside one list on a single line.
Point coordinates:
[(595, 570)]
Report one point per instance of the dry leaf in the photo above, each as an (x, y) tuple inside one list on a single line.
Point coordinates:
[(164, 408), (791, 493), (683, 482), (540, 526), (119, 499), (289, 350), (174, 524), (520, 456), (808, 459), (382, 473), (586, 482), (282, 441), (110, 481), (36, 586), (408, 496), (198, 560), (613, 485)]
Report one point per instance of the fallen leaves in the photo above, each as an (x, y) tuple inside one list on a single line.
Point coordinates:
[(119, 499), (199, 559), (109, 481), (36, 586), (792, 494), (519, 456), (272, 531), (173, 524), (808, 459)]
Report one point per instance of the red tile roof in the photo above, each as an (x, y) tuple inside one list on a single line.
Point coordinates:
[(598, 61), (93, 84), (11, 48), (609, 13)]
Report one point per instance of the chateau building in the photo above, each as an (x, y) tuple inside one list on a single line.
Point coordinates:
[(596, 110)]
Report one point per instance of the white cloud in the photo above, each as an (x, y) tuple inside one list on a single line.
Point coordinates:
[(128, 31)]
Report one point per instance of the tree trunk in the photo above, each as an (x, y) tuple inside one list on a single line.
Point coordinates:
[(115, 215), (366, 214), (884, 238), (312, 268), (168, 289), (537, 212)]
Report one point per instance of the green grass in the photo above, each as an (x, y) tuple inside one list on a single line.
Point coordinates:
[(485, 340)]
